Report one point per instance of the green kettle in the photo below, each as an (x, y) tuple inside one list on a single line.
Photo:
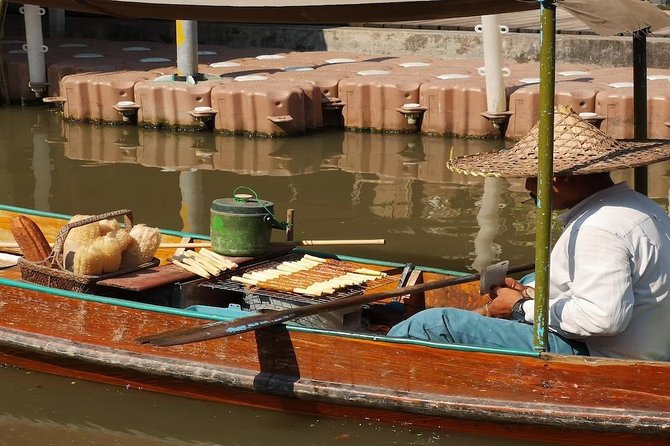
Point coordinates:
[(241, 226)]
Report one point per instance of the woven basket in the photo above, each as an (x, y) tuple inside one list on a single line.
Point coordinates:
[(50, 272)]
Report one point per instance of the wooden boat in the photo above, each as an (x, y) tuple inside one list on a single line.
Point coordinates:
[(325, 372)]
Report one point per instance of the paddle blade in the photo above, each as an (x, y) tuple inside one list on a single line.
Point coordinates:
[(215, 330)]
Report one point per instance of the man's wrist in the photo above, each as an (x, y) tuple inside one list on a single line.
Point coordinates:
[(518, 312)]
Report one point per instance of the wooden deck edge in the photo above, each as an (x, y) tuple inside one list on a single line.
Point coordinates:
[(450, 406)]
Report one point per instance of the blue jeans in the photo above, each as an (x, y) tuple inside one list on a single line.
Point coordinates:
[(454, 326)]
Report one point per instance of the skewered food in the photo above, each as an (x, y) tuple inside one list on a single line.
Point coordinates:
[(204, 263), (311, 276)]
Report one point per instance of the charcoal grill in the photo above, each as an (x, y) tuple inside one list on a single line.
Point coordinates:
[(259, 299)]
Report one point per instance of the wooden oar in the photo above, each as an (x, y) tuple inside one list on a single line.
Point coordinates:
[(215, 330), (206, 244)]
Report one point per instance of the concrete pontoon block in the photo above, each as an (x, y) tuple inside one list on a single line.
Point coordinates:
[(169, 103), (92, 96), (259, 107), (454, 107), (371, 101)]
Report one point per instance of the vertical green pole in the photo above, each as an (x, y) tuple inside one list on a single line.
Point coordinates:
[(640, 101), (545, 172)]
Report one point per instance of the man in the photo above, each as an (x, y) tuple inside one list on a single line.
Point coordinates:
[(609, 291)]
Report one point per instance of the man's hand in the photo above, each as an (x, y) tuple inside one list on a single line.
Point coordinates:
[(504, 298)]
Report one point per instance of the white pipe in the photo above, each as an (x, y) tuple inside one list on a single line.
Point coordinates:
[(496, 100), (34, 43)]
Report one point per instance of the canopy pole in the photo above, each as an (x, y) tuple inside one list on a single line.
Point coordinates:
[(187, 49), (35, 48), (496, 100), (640, 101), (545, 172)]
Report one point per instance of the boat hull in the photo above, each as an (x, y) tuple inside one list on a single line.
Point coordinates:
[(333, 374)]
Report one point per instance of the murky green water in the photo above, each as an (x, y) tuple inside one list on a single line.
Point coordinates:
[(341, 185)]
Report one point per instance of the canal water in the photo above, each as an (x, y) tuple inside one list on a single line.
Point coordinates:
[(341, 185)]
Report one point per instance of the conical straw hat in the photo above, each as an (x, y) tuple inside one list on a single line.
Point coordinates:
[(579, 149)]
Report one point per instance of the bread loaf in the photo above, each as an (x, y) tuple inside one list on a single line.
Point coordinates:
[(30, 238)]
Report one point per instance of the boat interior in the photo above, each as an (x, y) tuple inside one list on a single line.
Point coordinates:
[(166, 287)]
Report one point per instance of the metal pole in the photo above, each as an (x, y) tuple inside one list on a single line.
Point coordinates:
[(545, 172), (640, 101), (187, 48), (496, 100), (35, 48)]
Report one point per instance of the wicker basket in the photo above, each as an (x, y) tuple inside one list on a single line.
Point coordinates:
[(50, 272)]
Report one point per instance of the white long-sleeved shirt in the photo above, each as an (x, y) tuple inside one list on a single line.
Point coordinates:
[(610, 276)]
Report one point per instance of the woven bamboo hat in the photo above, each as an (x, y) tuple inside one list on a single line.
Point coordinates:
[(579, 149)]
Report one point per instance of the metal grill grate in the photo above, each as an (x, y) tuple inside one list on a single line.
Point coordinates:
[(224, 283)]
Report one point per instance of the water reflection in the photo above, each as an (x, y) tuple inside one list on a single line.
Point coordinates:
[(342, 185)]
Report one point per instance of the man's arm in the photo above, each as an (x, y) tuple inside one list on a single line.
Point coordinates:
[(598, 297)]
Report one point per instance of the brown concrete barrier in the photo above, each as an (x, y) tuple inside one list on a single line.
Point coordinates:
[(454, 107), (615, 102), (171, 104), (524, 103), (259, 107), (328, 105), (312, 98), (658, 106), (93, 96), (371, 100)]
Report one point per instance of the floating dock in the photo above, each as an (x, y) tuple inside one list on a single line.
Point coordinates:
[(269, 92)]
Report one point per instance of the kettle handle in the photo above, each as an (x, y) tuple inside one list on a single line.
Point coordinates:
[(276, 224)]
